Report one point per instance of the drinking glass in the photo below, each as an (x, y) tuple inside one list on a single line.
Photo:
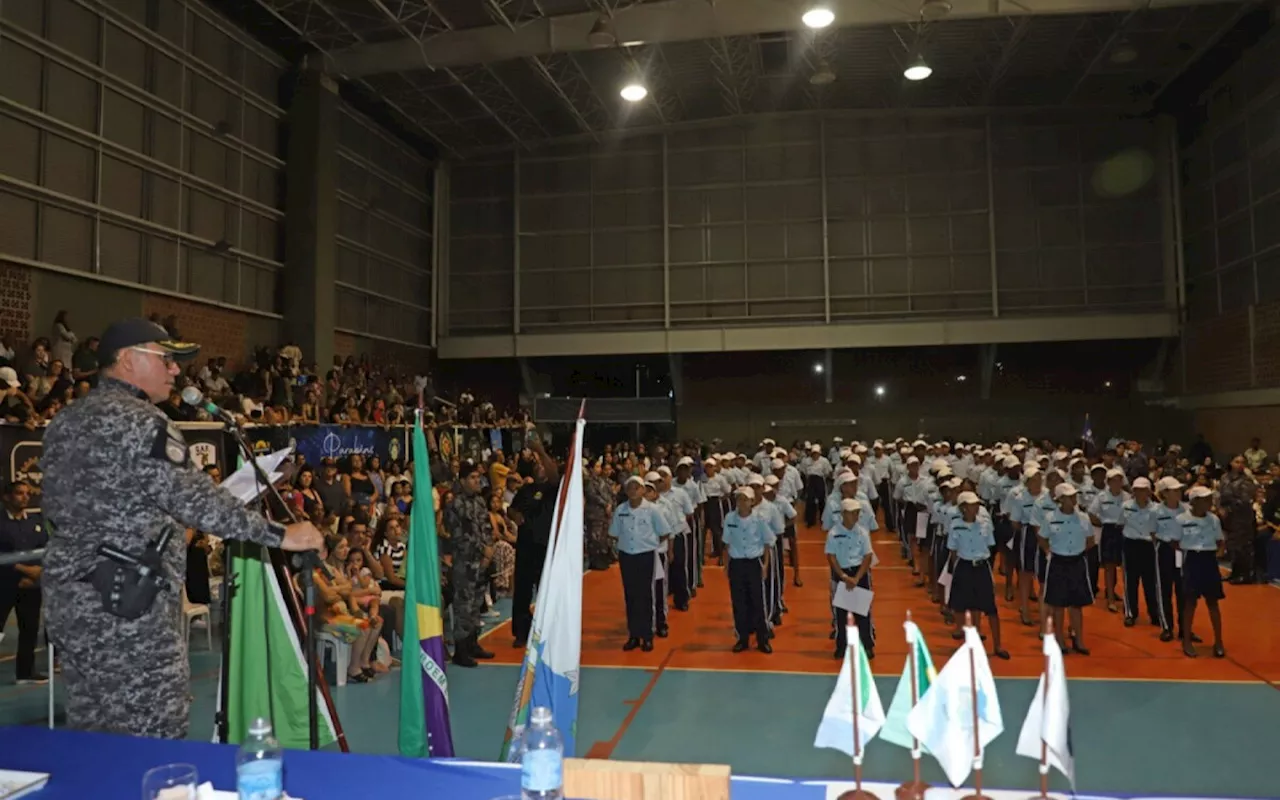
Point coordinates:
[(170, 782)]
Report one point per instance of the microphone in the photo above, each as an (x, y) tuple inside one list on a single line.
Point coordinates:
[(192, 397)]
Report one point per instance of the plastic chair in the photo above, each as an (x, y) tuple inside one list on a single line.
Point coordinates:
[(192, 612), (341, 652)]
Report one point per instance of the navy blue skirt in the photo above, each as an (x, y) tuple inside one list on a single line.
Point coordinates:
[(1026, 551), (972, 587), (1200, 575), (1068, 582), (1112, 545)]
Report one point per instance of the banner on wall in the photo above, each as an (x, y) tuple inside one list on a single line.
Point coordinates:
[(22, 449)]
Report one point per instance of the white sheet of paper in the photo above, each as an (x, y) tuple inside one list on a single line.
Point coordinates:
[(922, 526), (658, 572), (1177, 559), (244, 484), (856, 600), (944, 579), (1009, 544)]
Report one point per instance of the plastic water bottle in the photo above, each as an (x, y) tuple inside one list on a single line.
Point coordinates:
[(541, 758), (260, 764)]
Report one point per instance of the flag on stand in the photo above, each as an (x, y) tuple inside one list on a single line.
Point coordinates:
[(836, 729), (267, 676), (943, 720), (424, 688), (919, 661), (1047, 727), (549, 674)]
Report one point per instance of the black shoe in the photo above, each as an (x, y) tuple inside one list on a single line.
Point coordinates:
[(1001, 654), (519, 643), (663, 631), (682, 607), (1166, 636), (838, 654), (462, 658), (1084, 651), (765, 647), (742, 644), (34, 679), (647, 645), (479, 652), (1129, 622), (693, 592), (1219, 651), (777, 620), (832, 635), (631, 644)]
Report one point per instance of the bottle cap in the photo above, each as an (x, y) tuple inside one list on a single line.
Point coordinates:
[(540, 716), (261, 726)]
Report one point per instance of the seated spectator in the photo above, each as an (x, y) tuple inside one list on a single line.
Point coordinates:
[(341, 616)]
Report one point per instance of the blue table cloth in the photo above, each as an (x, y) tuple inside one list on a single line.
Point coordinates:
[(94, 766)]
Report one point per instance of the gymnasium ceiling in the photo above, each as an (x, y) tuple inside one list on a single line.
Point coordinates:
[(470, 75)]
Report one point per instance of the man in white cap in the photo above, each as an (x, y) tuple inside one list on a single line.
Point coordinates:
[(718, 493), (912, 494), (1169, 558), (1138, 557), (697, 524), (1107, 512), (817, 470), (1202, 544), (879, 466), (750, 546), (849, 557), (788, 491), (680, 566), (640, 530), (661, 567), (776, 513)]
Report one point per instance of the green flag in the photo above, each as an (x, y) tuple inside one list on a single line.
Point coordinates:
[(268, 672), (921, 663)]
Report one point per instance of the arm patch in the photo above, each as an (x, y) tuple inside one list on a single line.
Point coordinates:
[(170, 445)]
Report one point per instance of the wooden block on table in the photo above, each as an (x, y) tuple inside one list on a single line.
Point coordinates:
[(599, 779)]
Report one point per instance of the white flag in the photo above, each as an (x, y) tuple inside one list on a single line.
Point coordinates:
[(943, 719), (1048, 719), (836, 729)]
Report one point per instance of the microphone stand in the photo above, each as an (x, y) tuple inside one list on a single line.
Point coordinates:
[(305, 563)]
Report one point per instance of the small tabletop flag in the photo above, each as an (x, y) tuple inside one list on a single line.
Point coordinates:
[(1048, 719), (836, 729), (918, 659)]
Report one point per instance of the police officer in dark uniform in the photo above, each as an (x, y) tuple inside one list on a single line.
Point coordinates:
[(119, 490), (532, 509), (21, 531), (471, 541)]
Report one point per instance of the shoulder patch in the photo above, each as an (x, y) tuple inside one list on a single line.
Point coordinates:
[(170, 445)]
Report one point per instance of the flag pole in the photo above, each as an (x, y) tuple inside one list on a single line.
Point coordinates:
[(1044, 746), (977, 743), (857, 792), (916, 788)]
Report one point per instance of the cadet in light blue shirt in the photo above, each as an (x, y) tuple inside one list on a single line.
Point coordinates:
[(1168, 530), (970, 537), (1064, 534), (681, 570), (1107, 511), (639, 526), (1025, 517), (747, 538), (774, 513), (849, 556), (1139, 554), (1201, 540)]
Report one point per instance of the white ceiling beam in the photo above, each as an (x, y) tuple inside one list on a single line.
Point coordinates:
[(674, 21)]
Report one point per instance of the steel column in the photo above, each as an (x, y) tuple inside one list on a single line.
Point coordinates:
[(515, 244), (666, 236), (826, 239), (991, 223)]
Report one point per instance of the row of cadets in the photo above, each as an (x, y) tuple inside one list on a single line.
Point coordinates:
[(897, 471), (788, 490), (1138, 554), (663, 572), (718, 493), (750, 547), (642, 529), (1107, 512), (697, 522), (970, 541), (1009, 471), (680, 565), (939, 470), (849, 555), (781, 516), (1064, 534), (846, 488), (817, 471), (912, 496)]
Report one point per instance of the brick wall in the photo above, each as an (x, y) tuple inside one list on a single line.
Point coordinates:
[(15, 303), (219, 332), (1266, 344), (408, 358), (1217, 354)]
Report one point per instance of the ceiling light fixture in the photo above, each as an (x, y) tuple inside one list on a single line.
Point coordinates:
[(818, 16), (634, 92), (602, 33), (823, 75), (917, 70)]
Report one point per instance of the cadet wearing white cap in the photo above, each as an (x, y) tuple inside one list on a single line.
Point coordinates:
[(912, 493), (652, 482), (1096, 484), (1107, 511), (970, 538), (764, 455), (697, 521), (775, 513), (1168, 558), (879, 467), (1010, 471), (718, 492), (849, 557), (640, 528), (750, 545), (1064, 535), (1024, 514), (945, 510), (1201, 541), (816, 469), (1139, 555), (680, 565)]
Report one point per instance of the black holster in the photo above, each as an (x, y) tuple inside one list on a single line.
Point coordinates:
[(128, 585)]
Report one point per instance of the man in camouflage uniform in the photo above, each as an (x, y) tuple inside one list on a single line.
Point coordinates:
[(1237, 492), (118, 472), (471, 537), (598, 511)]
